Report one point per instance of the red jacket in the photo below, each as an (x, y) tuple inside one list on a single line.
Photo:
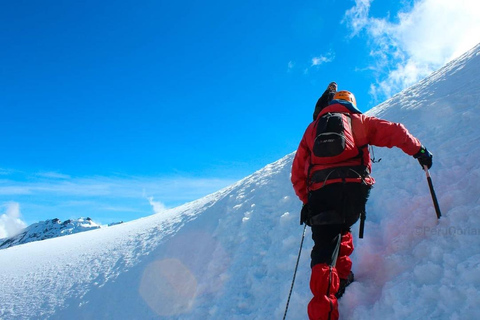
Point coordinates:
[(366, 131)]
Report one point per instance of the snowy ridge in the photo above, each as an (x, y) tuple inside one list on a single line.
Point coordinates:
[(49, 229), (421, 269), (231, 255), (206, 239)]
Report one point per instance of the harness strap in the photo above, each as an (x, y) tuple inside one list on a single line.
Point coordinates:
[(339, 173), (326, 218)]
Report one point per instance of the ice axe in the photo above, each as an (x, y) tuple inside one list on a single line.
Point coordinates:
[(432, 192)]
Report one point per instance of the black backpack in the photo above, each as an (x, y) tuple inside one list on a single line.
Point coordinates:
[(334, 140)]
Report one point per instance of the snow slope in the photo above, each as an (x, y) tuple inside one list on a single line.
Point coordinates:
[(231, 255)]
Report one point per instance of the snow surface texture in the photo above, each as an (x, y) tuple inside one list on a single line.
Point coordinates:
[(49, 229), (231, 255)]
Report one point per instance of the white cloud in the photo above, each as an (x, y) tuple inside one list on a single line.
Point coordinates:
[(5, 172), (314, 62), (357, 17), (53, 175), (13, 190), (10, 222), (423, 38), (317, 61), (45, 198), (156, 205), (131, 187)]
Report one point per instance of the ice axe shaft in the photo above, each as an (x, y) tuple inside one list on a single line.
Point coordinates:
[(432, 192)]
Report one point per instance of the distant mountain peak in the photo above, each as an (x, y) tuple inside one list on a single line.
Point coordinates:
[(49, 229)]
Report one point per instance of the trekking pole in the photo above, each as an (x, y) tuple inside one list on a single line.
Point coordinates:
[(432, 192), (295, 272)]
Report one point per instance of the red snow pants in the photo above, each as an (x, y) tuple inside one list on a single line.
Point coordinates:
[(348, 200), (324, 284), (325, 281)]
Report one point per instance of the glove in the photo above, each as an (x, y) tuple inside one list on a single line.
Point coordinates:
[(424, 157), (305, 214), (332, 86)]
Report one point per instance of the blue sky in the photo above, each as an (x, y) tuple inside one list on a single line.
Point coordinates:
[(117, 109)]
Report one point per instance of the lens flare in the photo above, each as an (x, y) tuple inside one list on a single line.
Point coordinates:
[(168, 287)]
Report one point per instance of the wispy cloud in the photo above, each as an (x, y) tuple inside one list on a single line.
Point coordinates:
[(317, 61), (320, 60), (4, 172), (102, 198), (156, 205), (422, 38), (291, 65), (53, 175), (10, 221), (314, 62)]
